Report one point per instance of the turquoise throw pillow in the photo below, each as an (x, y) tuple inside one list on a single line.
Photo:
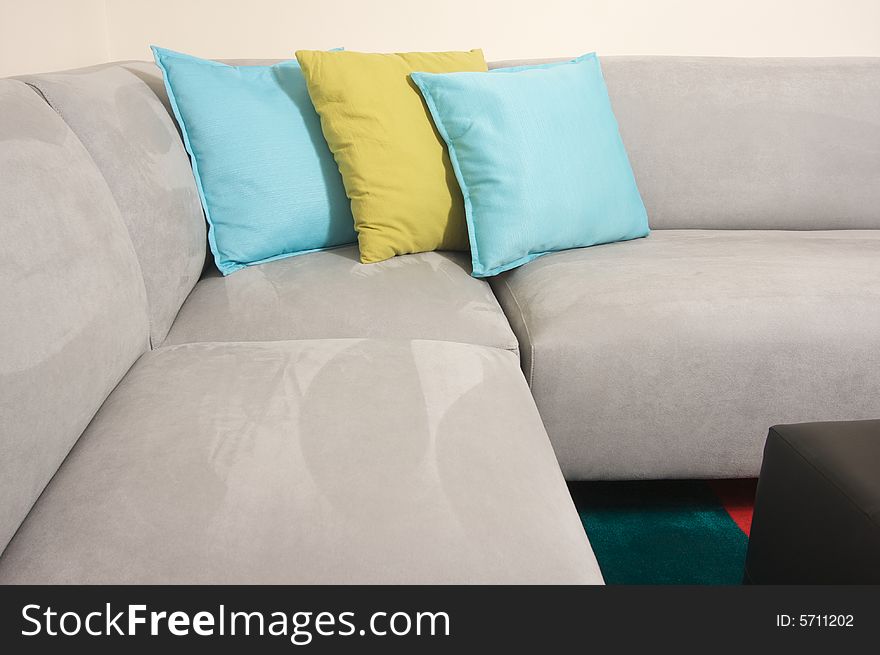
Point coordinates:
[(269, 185), (539, 159)]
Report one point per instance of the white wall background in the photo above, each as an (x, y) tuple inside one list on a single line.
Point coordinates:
[(39, 35)]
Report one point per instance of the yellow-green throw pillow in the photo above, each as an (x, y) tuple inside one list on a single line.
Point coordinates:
[(394, 165)]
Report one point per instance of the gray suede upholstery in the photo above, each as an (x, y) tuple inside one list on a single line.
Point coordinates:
[(72, 301), (331, 294), (136, 145), (328, 461), (751, 143), (730, 143), (669, 356), (318, 420)]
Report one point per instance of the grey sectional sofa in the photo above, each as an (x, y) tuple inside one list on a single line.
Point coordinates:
[(317, 420)]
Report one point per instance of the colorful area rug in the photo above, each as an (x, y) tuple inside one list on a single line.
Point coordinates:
[(668, 532)]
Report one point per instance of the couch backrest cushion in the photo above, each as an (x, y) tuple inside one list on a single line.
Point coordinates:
[(135, 144), (735, 143), (74, 310)]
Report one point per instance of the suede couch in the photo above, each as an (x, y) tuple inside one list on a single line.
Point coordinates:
[(316, 420)]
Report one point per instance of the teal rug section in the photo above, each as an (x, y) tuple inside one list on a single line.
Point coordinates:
[(666, 532)]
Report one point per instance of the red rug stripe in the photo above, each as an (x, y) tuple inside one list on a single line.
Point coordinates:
[(738, 499)]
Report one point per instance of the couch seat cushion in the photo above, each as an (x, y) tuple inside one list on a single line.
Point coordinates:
[(334, 461), (331, 295), (671, 356)]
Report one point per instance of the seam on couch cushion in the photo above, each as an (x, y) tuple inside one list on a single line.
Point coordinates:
[(525, 325)]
